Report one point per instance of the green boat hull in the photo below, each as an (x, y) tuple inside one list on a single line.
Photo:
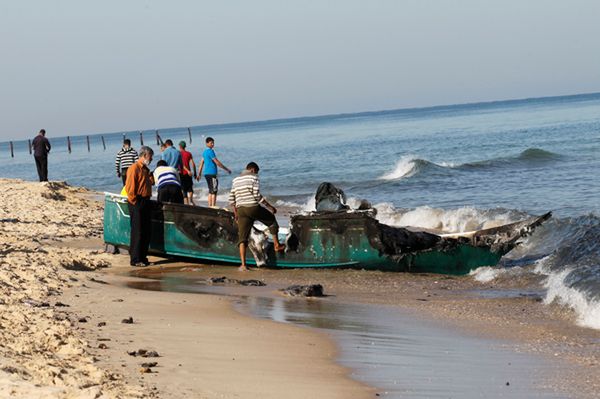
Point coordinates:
[(325, 240)]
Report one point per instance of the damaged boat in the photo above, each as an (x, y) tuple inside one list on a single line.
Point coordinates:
[(332, 236)]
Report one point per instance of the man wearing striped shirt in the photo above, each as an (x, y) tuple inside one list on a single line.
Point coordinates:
[(167, 180), (125, 158), (246, 200)]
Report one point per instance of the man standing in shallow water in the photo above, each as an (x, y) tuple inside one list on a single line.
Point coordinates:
[(210, 162), (41, 148), (245, 198), (139, 190)]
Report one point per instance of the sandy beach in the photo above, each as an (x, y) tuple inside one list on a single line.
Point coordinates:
[(63, 302), (61, 321)]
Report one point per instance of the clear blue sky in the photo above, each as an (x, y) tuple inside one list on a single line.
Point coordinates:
[(77, 67)]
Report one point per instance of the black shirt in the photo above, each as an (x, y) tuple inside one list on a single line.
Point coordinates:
[(41, 146)]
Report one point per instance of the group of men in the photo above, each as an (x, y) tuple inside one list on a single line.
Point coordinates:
[(176, 170), (173, 177)]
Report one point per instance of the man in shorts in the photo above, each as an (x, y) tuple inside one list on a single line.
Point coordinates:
[(246, 200), (188, 169), (209, 163)]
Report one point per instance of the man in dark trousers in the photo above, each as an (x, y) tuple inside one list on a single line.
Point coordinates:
[(139, 190), (41, 148)]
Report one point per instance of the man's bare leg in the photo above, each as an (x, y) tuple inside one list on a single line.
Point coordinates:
[(243, 267), (190, 198), (278, 246)]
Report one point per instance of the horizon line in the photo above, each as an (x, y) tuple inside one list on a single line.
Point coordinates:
[(333, 116)]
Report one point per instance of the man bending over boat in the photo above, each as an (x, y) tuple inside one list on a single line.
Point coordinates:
[(246, 200), (138, 186)]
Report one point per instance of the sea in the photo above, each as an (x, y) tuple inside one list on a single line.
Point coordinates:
[(452, 168)]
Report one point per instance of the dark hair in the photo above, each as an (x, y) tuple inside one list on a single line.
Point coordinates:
[(127, 141), (162, 162), (43, 131), (209, 139), (169, 142), (253, 165)]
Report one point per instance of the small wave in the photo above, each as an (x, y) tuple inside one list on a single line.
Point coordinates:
[(411, 165), (405, 167), (560, 289), (537, 154), (526, 157)]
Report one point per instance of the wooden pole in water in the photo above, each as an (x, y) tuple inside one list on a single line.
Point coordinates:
[(141, 138), (190, 134), (103, 143), (69, 144), (123, 136), (29, 146), (12, 150), (157, 138), (88, 142)]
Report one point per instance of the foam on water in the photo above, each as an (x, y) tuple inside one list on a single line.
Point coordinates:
[(560, 289), (445, 220)]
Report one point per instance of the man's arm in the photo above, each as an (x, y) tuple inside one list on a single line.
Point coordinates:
[(131, 183), (48, 146), (232, 203), (220, 165), (193, 166), (200, 169), (118, 163)]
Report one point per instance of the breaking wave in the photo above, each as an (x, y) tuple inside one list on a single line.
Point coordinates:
[(571, 269), (411, 165)]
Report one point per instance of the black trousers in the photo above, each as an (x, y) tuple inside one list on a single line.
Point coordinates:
[(140, 217), (41, 163), (124, 175), (170, 193)]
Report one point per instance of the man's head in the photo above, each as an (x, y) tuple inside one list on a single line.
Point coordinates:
[(252, 167), (162, 162), (146, 154), (126, 143), (43, 132), (182, 145), (210, 142), (169, 143)]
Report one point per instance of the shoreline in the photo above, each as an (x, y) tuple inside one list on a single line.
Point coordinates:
[(523, 324), (206, 348), (53, 350)]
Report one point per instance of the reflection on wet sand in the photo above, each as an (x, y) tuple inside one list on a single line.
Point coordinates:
[(387, 348)]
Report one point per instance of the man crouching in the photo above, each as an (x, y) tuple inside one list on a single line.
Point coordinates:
[(245, 199)]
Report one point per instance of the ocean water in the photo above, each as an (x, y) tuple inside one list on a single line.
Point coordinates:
[(454, 168)]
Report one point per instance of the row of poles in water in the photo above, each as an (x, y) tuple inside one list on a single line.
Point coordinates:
[(159, 141)]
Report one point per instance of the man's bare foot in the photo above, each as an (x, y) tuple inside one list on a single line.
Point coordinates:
[(243, 268)]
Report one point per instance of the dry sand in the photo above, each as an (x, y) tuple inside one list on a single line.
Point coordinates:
[(61, 330)]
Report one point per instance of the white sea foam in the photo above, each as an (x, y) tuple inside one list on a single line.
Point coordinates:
[(485, 274), (452, 220), (405, 167), (586, 309)]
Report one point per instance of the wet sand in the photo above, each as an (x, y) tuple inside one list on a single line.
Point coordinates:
[(505, 310)]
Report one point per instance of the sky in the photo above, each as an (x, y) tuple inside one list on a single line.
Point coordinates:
[(79, 67)]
